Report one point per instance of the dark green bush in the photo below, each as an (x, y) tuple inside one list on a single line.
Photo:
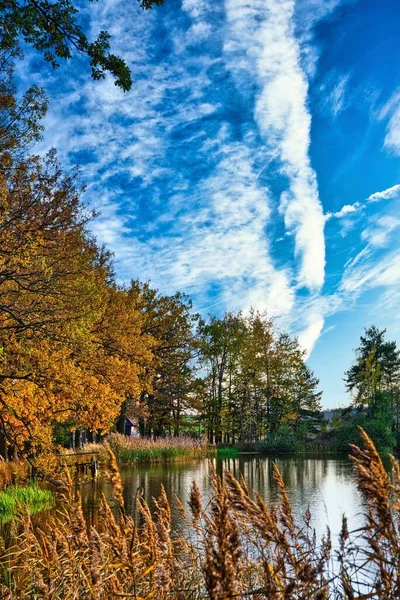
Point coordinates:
[(284, 439), (379, 428)]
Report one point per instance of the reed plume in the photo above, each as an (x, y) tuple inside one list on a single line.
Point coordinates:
[(237, 546)]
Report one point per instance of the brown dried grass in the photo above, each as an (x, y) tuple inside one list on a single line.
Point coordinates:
[(169, 449), (239, 547)]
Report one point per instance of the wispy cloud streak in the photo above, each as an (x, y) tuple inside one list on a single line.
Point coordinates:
[(391, 112), (262, 33), (185, 167)]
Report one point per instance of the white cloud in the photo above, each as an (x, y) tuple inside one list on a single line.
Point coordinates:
[(345, 211), (388, 194), (262, 33), (200, 14), (333, 93), (226, 242), (307, 14), (308, 317), (348, 209), (392, 139), (198, 32), (377, 265), (338, 95), (309, 336), (216, 233), (389, 302), (195, 8), (360, 256), (222, 242), (371, 274)]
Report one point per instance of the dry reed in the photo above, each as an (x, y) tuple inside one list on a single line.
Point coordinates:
[(237, 547), (134, 450)]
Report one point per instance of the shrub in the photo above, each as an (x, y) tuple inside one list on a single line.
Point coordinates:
[(378, 428), (14, 472), (228, 452), (284, 439)]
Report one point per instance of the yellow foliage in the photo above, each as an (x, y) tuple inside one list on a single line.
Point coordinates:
[(71, 343)]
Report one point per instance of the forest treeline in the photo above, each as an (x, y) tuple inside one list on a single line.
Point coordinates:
[(256, 380), (77, 349)]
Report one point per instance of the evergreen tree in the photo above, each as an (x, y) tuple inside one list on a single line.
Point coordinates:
[(376, 369)]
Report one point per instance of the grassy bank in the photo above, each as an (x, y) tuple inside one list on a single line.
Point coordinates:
[(138, 450), (241, 548), (26, 498), (227, 452), (135, 450)]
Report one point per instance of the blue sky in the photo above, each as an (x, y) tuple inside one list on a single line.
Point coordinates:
[(255, 162)]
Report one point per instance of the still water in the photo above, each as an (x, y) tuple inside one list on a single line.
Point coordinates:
[(326, 485)]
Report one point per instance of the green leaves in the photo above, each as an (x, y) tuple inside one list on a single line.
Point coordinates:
[(52, 28), (102, 61), (257, 378)]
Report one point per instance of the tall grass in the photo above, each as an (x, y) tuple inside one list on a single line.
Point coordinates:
[(134, 450), (239, 547), (27, 498)]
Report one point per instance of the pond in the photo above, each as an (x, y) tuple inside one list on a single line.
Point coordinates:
[(326, 485)]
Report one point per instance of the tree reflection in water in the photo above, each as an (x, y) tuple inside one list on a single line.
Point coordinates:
[(326, 485)]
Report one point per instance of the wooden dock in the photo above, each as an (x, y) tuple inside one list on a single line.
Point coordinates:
[(87, 466)]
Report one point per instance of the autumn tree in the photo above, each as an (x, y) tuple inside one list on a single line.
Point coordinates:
[(20, 119), (71, 341), (125, 354), (51, 279), (76, 349), (169, 321)]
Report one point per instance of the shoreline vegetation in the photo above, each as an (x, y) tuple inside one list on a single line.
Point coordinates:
[(134, 450), (139, 450), (334, 442), (241, 547), (14, 472)]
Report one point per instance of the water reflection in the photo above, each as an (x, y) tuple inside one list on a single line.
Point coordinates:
[(326, 485)]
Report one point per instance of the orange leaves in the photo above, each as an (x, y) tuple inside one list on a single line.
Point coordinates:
[(72, 345)]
